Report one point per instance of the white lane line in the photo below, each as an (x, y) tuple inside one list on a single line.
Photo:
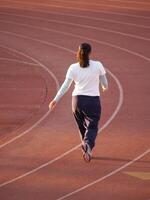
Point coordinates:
[(120, 102), (32, 171), (77, 25), (70, 15), (129, 1), (18, 61), (37, 40), (26, 131), (36, 61), (10, 106), (57, 46), (104, 177), (16, 88), (47, 113), (40, 167), (74, 148), (77, 9), (15, 55), (77, 36), (102, 4)]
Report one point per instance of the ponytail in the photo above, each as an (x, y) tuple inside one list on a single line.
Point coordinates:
[(83, 55)]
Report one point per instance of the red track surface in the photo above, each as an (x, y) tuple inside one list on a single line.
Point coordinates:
[(39, 154)]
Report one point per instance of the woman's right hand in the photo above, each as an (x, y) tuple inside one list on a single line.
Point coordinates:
[(52, 105)]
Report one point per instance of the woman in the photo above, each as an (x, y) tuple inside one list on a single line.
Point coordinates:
[(87, 75)]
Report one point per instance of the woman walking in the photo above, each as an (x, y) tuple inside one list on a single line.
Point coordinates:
[(87, 76)]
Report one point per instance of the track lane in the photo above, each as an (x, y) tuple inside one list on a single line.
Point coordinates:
[(38, 64), (58, 7), (142, 34), (31, 14), (16, 92), (89, 6), (118, 107)]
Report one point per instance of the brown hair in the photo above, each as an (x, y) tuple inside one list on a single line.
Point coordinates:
[(83, 54)]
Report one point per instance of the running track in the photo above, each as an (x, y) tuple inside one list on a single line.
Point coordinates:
[(40, 155)]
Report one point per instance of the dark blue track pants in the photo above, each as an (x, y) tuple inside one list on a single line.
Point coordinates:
[(87, 112)]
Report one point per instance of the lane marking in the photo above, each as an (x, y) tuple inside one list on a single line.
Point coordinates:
[(77, 36), (47, 113), (52, 44), (10, 106), (40, 167), (102, 4), (77, 9), (78, 25), (15, 55), (76, 147), (104, 177), (34, 170), (71, 15), (36, 61), (129, 1), (139, 175), (79, 145), (120, 102), (19, 61)]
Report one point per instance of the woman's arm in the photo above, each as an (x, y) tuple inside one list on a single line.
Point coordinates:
[(104, 82), (63, 89)]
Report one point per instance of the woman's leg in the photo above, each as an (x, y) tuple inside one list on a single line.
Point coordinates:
[(87, 112), (91, 133), (81, 123), (92, 113), (79, 116)]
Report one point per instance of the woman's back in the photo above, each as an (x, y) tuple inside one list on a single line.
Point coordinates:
[(86, 79)]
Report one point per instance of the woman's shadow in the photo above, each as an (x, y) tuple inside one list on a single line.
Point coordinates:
[(111, 159)]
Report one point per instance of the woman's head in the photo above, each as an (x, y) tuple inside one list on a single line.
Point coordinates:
[(83, 54)]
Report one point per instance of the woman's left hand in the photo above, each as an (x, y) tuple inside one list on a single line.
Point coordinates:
[(52, 105)]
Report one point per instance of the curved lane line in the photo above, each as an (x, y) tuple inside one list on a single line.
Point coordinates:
[(18, 61), (36, 61), (17, 178), (52, 44), (73, 15), (47, 113), (129, 1), (76, 9), (78, 25), (77, 36), (76, 147), (102, 4), (120, 102), (104, 177), (108, 175), (40, 167)]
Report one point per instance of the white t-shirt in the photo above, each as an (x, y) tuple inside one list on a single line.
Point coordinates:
[(86, 79)]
